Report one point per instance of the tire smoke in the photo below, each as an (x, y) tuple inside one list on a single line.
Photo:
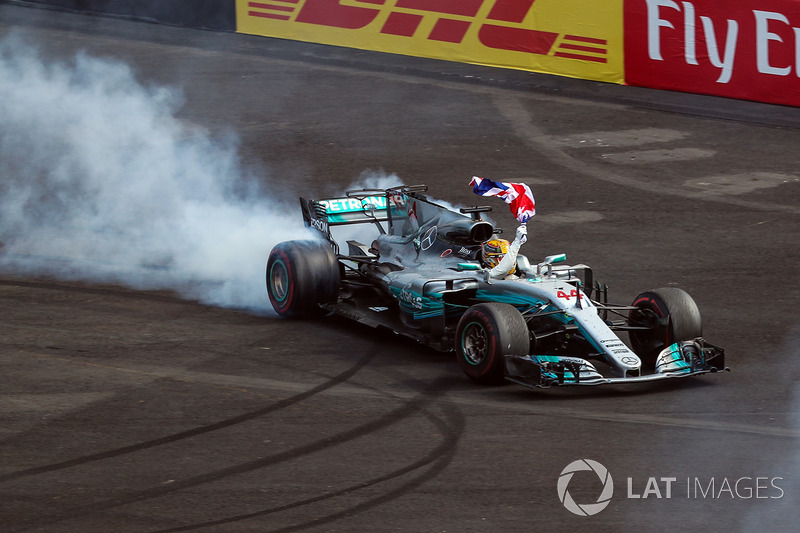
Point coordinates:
[(99, 181)]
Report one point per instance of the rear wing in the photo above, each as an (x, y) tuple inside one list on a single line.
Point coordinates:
[(340, 211), (322, 214), (356, 207)]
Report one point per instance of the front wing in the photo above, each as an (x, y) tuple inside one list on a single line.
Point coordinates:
[(679, 360)]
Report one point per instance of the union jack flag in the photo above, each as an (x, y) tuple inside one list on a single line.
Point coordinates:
[(517, 195)]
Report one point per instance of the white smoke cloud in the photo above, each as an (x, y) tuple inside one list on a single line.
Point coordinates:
[(99, 181)]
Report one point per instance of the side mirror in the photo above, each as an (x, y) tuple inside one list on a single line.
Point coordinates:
[(553, 259), (548, 262)]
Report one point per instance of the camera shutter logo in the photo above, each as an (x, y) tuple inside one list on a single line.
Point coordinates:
[(586, 509)]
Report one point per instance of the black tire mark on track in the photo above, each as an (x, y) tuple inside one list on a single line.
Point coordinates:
[(433, 390), (440, 456), (168, 439), (438, 467), (433, 472)]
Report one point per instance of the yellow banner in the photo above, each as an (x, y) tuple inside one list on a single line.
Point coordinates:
[(576, 38)]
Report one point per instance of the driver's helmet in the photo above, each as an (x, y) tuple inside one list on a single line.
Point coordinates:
[(493, 251)]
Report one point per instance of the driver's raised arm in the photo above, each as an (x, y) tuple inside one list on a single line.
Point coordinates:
[(509, 261)]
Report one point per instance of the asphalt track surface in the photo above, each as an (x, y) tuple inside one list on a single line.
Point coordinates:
[(133, 411)]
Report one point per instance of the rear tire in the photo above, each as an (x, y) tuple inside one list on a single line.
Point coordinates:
[(301, 275), (671, 314), (487, 333)]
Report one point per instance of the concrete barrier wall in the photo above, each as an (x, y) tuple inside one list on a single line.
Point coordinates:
[(217, 15)]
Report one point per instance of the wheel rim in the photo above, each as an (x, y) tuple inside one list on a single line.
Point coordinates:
[(474, 343), (279, 281)]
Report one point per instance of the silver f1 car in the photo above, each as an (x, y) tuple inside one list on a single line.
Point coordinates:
[(422, 277)]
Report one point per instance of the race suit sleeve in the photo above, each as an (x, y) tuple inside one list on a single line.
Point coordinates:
[(509, 261)]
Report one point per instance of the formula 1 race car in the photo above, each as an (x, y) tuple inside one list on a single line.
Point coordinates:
[(421, 276)]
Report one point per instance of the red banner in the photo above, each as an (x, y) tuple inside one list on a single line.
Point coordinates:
[(747, 49)]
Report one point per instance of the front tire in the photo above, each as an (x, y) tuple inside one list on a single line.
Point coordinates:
[(672, 316), (487, 333), (301, 275)]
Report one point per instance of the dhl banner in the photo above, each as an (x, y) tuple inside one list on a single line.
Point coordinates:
[(576, 38)]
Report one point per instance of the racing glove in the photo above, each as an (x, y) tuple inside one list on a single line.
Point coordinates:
[(522, 234)]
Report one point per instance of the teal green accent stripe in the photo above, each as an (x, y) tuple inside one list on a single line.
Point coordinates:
[(423, 307), (507, 298)]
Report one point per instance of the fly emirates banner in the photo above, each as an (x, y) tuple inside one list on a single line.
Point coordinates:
[(748, 49)]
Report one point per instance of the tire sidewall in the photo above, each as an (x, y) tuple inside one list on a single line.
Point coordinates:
[(678, 313), (279, 259), (506, 334), (487, 366), (312, 277)]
